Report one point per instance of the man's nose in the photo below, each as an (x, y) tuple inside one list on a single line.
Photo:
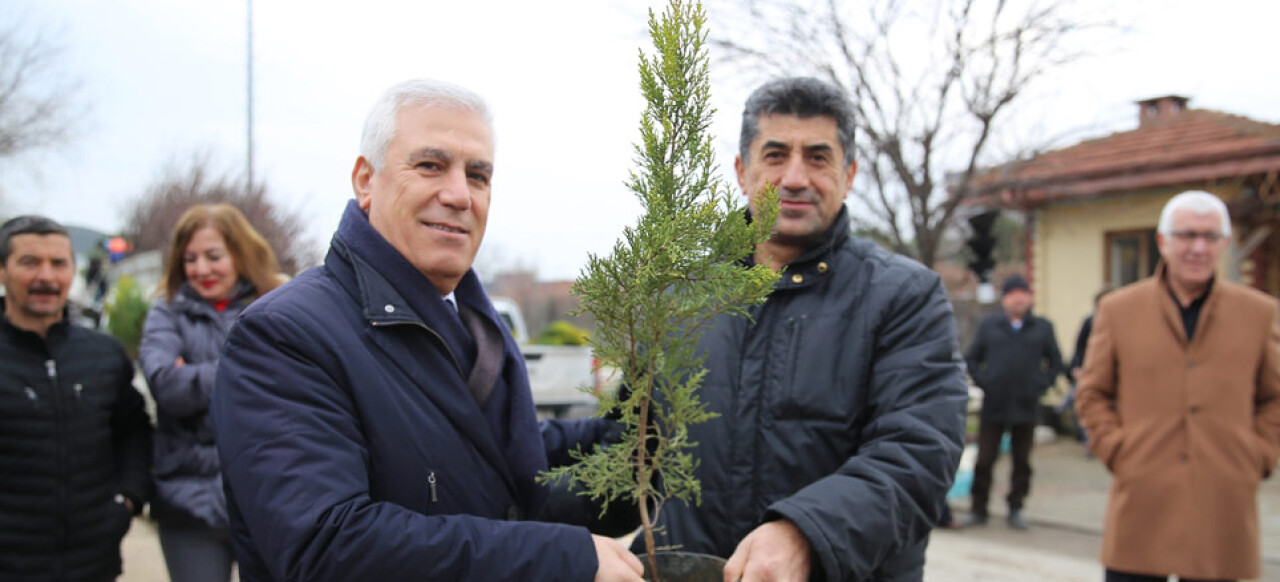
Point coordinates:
[(794, 175), (456, 192), (45, 271)]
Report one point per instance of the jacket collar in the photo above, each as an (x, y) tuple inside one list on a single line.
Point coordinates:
[(189, 301), (814, 262), (828, 240), (391, 291), (1171, 311), (56, 331), (1028, 318)]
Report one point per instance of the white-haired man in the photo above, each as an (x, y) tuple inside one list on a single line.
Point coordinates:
[(373, 417), (1180, 395)]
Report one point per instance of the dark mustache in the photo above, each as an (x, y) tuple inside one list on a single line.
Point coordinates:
[(805, 195), (41, 288)]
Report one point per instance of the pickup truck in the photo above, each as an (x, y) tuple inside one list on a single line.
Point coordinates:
[(560, 377)]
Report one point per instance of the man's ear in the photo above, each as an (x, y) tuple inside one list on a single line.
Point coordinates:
[(362, 182), (740, 167), (849, 172)]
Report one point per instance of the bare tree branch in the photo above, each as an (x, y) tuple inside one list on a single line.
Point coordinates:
[(150, 220), (930, 83), (36, 97)]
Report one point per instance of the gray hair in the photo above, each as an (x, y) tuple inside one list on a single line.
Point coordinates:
[(1197, 201), (29, 224), (802, 97), (380, 125)]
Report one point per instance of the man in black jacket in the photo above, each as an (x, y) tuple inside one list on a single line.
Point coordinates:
[(1014, 358), (842, 399), (75, 440)]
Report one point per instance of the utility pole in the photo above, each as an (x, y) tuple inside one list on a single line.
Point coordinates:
[(249, 95)]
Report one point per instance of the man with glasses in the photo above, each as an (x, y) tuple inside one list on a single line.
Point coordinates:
[(1180, 395)]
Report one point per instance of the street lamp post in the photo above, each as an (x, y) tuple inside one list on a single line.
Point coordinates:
[(249, 95)]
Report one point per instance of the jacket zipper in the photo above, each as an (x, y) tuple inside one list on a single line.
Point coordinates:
[(752, 325), (60, 454), (431, 476)]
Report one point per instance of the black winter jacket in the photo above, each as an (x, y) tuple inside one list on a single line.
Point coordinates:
[(74, 433), (841, 409), (1013, 368)]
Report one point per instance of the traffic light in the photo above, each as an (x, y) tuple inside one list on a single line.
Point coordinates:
[(982, 243)]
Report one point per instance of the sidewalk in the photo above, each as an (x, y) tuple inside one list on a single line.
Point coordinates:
[(1069, 491)]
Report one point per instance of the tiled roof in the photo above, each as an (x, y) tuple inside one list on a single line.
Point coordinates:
[(1193, 146)]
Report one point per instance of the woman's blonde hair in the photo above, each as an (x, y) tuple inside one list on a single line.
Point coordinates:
[(251, 254)]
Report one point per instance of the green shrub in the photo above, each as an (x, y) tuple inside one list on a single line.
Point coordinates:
[(126, 312), (562, 333)]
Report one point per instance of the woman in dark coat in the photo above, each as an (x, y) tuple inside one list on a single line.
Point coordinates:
[(216, 265)]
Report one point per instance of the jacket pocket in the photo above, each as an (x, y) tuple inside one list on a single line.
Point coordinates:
[(121, 519), (1266, 453), (1111, 450), (21, 399), (788, 358), (811, 375)]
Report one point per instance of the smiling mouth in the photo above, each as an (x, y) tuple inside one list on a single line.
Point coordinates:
[(445, 228)]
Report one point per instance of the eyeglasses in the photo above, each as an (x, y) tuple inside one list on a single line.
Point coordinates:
[(1190, 236)]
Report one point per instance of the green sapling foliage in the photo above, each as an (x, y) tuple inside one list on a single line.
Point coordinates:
[(679, 266)]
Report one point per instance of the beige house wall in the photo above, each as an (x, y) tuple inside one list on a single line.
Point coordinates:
[(1069, 254)]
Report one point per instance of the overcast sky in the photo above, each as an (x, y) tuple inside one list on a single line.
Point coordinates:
[(162, 81)]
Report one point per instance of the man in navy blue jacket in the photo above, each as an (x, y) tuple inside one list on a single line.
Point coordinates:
[(373, 416)]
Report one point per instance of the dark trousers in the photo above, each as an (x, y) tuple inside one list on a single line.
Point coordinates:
[(989, 435), (197, 554), (1114, 576)]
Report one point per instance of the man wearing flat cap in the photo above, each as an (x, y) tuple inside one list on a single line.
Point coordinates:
[(1014, 358)]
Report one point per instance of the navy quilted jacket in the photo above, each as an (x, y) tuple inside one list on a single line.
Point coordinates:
[(352, 448)]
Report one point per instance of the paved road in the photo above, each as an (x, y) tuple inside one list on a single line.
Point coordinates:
[(997, 553), (991, 554)]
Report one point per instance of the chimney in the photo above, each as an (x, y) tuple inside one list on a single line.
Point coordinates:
[(1157, 108)]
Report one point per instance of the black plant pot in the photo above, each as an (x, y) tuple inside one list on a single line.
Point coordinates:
[(686, 567)]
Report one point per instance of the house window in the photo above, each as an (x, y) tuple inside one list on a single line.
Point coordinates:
[(1131, 255)]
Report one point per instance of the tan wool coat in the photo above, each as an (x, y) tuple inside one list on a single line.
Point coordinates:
[(1187, 430)]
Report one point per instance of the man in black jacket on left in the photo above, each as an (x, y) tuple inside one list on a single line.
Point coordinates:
[(75, 439)]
